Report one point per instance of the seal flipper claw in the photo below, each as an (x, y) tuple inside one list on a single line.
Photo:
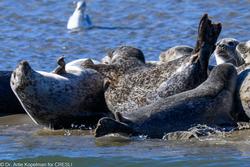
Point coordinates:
[(107, 126), (61, 68)]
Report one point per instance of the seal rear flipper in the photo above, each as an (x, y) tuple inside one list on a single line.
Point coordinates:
[(107, 126)]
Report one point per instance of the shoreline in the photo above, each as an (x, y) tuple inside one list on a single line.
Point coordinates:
[(15, 119)]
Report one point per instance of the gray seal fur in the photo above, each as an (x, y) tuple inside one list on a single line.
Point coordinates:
[(131, 83), (59, 101), (226, 52), (242, 110), (243, 48), (242, 93), (175, 52), (211, 104)]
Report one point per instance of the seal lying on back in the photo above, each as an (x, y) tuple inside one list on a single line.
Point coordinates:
[(9, 104), (131, 83), (58, 100), (210, 104), (226, 52)]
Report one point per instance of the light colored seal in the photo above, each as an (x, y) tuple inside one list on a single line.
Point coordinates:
[(242, 111), (209, 104), (131, 83), (225, 52), (78, 19), (175, 52), (243, 48), (68, 96)]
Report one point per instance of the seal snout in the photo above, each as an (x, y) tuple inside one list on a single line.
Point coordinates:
[(21, 75)]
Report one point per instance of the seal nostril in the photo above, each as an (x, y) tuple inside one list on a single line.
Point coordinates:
[(222, 46)]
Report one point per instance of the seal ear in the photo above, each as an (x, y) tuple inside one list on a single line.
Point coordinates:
[(107, 126)]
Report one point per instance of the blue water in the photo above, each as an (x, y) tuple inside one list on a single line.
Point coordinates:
[(35, 30)]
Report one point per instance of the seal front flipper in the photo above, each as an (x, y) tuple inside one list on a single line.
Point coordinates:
[(107, 126), (61, 68)]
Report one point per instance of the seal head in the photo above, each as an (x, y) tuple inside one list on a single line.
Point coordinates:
[(225, 52), (175, 52)]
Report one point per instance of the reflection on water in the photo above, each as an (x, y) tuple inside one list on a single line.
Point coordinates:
[(27, 142), (36, 31)]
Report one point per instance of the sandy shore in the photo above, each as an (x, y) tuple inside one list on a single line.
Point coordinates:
[(15, 119)]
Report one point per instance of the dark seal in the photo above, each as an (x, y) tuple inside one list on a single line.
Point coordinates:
[(9, 104), (209, 104)]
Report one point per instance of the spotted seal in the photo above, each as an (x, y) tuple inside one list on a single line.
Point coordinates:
[(131, 83), (210, 104), (243, 48), (242, 98), (225, 52), (242, 109), (62, 98), (9, 104)]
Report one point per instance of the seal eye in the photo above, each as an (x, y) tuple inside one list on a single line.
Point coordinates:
[(231, 43)]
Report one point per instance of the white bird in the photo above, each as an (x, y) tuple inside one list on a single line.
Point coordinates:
[(78, 19)]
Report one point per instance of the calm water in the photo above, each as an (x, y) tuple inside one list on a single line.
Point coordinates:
[(35, 30)]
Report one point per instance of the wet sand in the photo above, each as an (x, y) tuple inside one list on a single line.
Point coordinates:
[(16, 119)]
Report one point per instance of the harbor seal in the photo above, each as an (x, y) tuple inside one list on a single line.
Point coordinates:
[(225, 52), (175, 52), (9, 104), (241, 53), (73, 97), (242, 109), (209, 104), (131, 83), (243, 48)]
